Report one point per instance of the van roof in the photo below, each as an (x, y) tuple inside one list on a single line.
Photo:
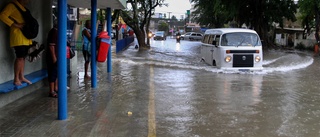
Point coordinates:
[(219, 31)]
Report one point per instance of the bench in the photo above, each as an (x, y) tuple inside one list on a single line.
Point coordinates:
[(33, 77)]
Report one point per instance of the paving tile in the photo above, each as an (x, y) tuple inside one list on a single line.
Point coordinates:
[(6, 134), (38, 117)]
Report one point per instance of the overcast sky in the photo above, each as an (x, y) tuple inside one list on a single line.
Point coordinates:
[(176, 7)]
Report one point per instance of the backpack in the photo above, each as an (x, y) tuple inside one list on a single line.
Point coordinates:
[(31, 27)]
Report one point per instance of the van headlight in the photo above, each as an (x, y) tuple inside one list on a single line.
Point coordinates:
[(257, 58), (228, 59)]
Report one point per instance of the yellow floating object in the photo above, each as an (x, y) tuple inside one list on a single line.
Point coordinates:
[(129, 113)]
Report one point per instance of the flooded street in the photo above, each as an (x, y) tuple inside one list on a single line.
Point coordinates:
[(169, 92)]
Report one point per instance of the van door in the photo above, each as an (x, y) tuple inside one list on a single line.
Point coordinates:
[(206, 49), (215, 57)]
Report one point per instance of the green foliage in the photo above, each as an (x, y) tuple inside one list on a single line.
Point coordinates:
[(310, 15), (101, 15), (209, 13), (257, 14), (174, 18), (249, 12), (163, 26), (301, 46)]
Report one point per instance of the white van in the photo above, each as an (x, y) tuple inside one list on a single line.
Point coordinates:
[(232, 49)]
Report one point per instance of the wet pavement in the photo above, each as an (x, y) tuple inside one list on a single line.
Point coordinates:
[(168, 92)]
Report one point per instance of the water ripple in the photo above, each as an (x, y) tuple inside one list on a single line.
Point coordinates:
[(281, 64)]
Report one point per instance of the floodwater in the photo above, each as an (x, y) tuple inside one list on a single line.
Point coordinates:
[(168, 92)]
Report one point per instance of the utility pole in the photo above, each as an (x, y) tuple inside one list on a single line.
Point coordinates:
[(170, 22)]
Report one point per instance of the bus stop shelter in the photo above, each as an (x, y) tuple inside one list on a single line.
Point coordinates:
[(62, 40)]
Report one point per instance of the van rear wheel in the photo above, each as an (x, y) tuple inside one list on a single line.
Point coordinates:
[(214, 63)]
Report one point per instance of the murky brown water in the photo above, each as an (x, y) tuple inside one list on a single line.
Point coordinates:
[(172, 94)]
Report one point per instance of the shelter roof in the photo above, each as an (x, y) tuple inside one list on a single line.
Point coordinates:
[(101, 4)]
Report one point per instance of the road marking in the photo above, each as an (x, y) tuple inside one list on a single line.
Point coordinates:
[(151, 107)]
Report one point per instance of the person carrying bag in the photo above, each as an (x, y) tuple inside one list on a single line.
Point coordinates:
[(12, 16)]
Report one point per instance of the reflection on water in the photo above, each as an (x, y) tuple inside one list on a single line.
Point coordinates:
[(177, 46), (194, 99), (237, 88), (172, 93)]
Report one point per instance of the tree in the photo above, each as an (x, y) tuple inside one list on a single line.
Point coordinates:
[(215, 15), (138, 18), (256, 14), (163, 26), (174, 18), (310, 15)]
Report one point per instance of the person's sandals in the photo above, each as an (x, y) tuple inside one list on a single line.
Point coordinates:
[(53, 94)]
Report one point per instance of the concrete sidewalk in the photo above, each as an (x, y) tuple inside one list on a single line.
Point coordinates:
[(35, 115)]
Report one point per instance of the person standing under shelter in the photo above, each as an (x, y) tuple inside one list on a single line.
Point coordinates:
[(11, 16), (52, 41), (86, 48)]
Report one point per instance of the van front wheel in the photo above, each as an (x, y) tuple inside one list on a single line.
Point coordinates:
[(214, 63)]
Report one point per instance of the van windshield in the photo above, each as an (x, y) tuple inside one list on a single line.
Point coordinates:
[(240, 39)]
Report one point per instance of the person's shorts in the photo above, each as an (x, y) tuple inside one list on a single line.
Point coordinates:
[(86, 55), (21, 51), (52, 71)]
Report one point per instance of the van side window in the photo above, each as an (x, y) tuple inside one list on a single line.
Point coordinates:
[(217, 39), (211, 38), (205, 39)]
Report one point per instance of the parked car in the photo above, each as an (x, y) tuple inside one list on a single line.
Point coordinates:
[(160, 35), (192, 36), (185, 36), (195, 36)]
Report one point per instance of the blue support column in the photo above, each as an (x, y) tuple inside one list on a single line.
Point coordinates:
[(109, 29), (68, 27), (93, 43), (62, 60)]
